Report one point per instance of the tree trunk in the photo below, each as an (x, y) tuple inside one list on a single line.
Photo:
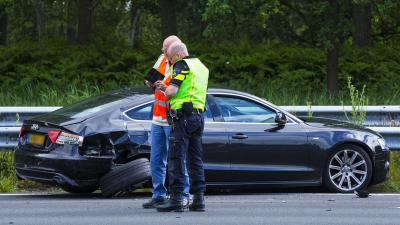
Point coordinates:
[(85, 10), (3, 24), (135, 13), (332, 64), (71, 22), (168, 17), (38, 20), (362, 33), (332, 69)]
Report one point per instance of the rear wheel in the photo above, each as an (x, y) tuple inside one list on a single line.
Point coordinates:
[(125, 177), (349, 168)]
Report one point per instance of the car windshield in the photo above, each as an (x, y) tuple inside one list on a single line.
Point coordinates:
[(89, 106)]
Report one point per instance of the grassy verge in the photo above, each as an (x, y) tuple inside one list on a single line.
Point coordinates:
[(69, 94), (10, 183)]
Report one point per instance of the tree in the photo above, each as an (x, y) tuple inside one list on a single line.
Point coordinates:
[(134, 18), (38, 20), (85, 10), (168, 17), (3, 24), (362, 16)]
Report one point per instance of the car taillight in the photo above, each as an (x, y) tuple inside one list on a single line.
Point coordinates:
[(61, 137), (53, 135), (21, 133)]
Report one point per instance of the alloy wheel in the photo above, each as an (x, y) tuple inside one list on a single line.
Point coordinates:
[(348, 170)]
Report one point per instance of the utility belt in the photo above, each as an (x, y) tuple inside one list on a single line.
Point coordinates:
[(186, 110)]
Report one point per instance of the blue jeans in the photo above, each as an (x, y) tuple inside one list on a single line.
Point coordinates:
[(158, 161)]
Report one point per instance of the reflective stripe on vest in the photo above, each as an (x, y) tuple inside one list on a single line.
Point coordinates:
[(161, 102), (194, 87), (160, 106)]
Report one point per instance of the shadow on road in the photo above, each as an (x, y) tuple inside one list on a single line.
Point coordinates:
[(146, 193)]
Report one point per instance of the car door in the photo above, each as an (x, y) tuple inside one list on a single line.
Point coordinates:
[(260, 151), (215, 138)]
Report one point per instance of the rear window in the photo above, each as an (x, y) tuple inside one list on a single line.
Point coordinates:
[(90, 106)]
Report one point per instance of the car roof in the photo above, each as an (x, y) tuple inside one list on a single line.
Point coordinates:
[(143, 90)]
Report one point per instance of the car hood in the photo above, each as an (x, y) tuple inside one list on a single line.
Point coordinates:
[(331, 123)]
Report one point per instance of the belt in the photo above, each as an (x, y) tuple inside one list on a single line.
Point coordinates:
[(179, 112)]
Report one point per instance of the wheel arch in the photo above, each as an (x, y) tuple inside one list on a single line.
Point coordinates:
[(360, 144)]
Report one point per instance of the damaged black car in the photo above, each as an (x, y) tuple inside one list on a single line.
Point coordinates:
[(104, 142)]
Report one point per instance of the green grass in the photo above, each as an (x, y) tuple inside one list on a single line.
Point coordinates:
[(8, 181), (63, 96), (47, 97)]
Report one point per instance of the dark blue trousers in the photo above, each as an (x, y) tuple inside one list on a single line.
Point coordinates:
[(185, 143)]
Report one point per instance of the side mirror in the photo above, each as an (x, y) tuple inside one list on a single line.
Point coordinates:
[(280, 118)]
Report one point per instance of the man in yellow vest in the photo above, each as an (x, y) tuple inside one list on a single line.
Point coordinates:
[(187, 93), (160, 129)]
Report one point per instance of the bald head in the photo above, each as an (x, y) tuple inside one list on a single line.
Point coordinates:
[(177, 51), (168, 41)]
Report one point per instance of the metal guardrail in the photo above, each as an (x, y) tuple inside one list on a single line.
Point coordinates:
[(383, 119), (377, 116)]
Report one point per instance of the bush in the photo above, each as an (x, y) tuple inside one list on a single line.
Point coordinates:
[(285, 74)]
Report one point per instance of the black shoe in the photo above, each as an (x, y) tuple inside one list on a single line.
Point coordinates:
[(175, 203), (198, 204), (154, 202)]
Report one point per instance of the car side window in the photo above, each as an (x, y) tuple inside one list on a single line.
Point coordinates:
[(207, 114), (234, 109), (144, 112)]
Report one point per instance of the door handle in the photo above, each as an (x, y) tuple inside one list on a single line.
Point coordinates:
[(239, 136)]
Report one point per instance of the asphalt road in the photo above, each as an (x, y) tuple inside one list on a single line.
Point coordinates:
[(259, 208)]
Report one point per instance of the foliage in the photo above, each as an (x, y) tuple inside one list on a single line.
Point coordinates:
[(358, 103), (8, 179), (62, 73)]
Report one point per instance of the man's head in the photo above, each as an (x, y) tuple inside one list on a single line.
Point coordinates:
[(168, 41), (177, 51)]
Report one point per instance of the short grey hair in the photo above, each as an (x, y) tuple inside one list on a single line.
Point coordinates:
[(178, 49)]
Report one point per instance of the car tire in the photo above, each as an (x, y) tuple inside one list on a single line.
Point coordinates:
[(80, 190), (125, 177), (348, 169)]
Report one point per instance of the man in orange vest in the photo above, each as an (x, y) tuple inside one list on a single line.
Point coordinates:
[(160, 129)]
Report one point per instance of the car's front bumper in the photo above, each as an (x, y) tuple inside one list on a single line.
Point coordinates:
[(381, 166), (60, 166)]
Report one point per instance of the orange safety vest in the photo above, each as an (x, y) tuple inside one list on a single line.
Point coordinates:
[(161, 101)]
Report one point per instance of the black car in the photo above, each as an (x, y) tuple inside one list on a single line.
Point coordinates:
[(247, 142)]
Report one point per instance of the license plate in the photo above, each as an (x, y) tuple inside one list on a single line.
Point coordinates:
[(36, 139)]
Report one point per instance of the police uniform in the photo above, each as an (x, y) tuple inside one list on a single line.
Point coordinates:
[(187, 107)]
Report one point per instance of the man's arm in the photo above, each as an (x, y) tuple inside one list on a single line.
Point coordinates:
[(181, 70)]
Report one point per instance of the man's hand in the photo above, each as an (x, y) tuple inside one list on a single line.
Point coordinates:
[(150, 85), (171, 91), (160, 85)]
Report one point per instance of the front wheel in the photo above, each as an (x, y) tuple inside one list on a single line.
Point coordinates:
[(349, 168)]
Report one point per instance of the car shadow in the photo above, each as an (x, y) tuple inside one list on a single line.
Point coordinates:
[(146, 193)]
